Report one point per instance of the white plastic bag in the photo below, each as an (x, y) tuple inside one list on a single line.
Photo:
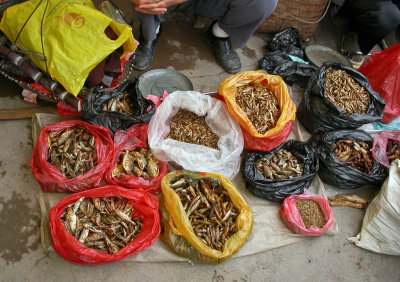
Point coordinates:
[(380, 231), (225, 161)]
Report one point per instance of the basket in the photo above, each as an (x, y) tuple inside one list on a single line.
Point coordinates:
[(304, 14)]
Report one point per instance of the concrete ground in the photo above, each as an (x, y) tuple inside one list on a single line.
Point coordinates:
[(186, 50)]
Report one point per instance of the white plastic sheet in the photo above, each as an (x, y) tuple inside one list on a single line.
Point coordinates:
[(225, 161)]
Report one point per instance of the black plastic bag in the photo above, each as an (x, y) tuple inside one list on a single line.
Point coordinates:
[(292, 72), (317, 113), (278, 190), (92, 107), (339, 174), (287, 41)]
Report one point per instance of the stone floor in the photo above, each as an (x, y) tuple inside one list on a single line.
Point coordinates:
[(183, 49)]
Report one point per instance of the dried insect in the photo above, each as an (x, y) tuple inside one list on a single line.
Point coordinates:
[(355, 154), (281, 165), (121, 104), (190, 128), (345, 92), (209, 208), (393, 150), (260, 104), (139, 162), (103, 224), (72, 151)]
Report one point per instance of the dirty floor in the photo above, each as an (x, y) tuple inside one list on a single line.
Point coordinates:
[(186, 50)]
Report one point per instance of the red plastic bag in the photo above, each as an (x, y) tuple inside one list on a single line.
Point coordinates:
[(380, 145), (291, 216), (134, 137), (266, 144), (382, 69), (70, 249), (51, 179)]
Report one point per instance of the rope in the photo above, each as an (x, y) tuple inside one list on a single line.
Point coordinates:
[(308, 22)]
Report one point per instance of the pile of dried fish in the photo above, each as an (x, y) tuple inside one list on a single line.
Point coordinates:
[(103, 224), (209, 208), (281, 165), (190, 128), (139, 162), (120, 103), (72, 151), (260, 104), (354, 153), (311, 213), (393, 150), (345, 92)]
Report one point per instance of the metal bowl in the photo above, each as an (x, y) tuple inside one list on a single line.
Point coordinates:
[(319, 54), (156, 81)]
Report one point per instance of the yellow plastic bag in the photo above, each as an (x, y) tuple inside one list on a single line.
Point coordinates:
[(178, 231), (73, 36), (274, 83)]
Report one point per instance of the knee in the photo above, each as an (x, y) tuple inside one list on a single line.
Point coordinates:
[(388, 17), (264, 7)]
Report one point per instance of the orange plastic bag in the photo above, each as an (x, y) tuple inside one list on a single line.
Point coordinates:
[(260, 78), (178, 231)]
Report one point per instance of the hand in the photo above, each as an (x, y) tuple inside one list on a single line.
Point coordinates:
[(154, 7)]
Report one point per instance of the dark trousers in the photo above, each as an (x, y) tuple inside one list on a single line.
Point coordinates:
[(372, 20), (238, 18)]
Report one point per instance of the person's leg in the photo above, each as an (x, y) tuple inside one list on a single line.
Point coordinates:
[(372, 20)]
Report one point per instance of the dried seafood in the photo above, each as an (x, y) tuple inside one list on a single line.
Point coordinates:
[(281, 165), (393, 150), (345, 92), (260, 104), (139, 162), (311, 213), (209, 208), (355, 154), (190, 128), (349, 200), (103, 224), (72, 151), (121, 104)]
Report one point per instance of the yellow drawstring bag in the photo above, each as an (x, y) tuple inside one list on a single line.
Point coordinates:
[(261, 78), (72, 35), (178, 231)]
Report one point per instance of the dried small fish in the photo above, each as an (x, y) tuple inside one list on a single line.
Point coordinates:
[(72, 151), (260, 104), (355, 154), (105, 224), (345, 92), (393, 150), (209, 208), (190, 128), (139, 162), (281, 165), (121, 104)]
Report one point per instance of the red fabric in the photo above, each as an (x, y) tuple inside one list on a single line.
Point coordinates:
[(70, 249), (134, 137), (290, 215), (382, 69), (380, 145), (51, 179), (266, 144)]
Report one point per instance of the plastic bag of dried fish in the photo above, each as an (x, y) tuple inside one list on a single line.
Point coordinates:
[(118, 108), (196, 132), (260, 102), (71, 156), (285, 171), (386, 147), (306, 214), (347, 174), (105, 239), (204, 217), (133, 165), (337, 97)]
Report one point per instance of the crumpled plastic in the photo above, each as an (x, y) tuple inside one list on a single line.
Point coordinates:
[(380, 145)]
